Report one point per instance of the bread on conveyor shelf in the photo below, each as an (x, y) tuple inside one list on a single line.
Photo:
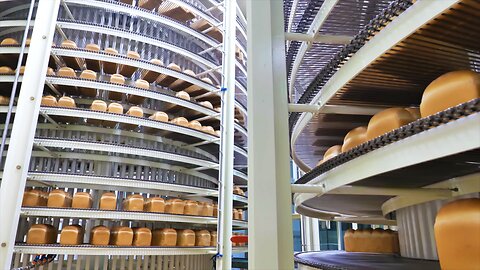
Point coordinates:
[(113, 108), (175, 206), (181, 94), (110, 67), (71, 235), (159, 116), (66, 102), (164, 237), (67, 72), (127, 70), (368, 240), (142, 237), (201, 25), (181, 121), (185, 238), (59, 198), (205, 209), (331, 153), (457, 234), (6, 70), (213, 238), (202, 238), (71, 61), (180, 84), (108, 201), (215, 210), (51, 72), (235, 214), (85, 91), (49, 101), (100, 236), (21, 70), (82, 200), (118, 79), (133, 111), (191, 208), (91, 63), (138, 99), (151, 76), (388, 120), (238, 191), (354, 138), (165, 80), (195, 125), (133, 202), (154, 204), (176, 12), (121, 236), (449, 90), (41, 234), (209, 129), (34, 197), (9, 41), (100, 106)]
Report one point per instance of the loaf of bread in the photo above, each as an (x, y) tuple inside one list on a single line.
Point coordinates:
[(133, 111), (209, 130), (133, 202), (138, 99), (457, 234), (151, 76), (165, 80), (368, 240), (41, 234), (100, 106), (191, 208), (21, 70), (34, 197), (113, 108), (354, 138), (195, 125), (205, 209), (110, 67), (59, 198), (332, 152), (49, 101), (349, 241), (92, 64), (183, 95), (72, 62), (127, 70), (186, 238), (238, 191), (67, 72), (175, 206), (82, 200), (108, 201), (71, 235), (90, 75), (100, 236), (121, 236), (180, 84), (449, 90), (181, 121), (235, 215), (142, 237), (215, 210), (388, 120), (154, 204), (207, 104), (6, 70), (9, 41), (240, 214), (213, 238), (202, 238), (159, 116), (67, 102), (176, 12), (118, 79), (164, 238), (415, 112)]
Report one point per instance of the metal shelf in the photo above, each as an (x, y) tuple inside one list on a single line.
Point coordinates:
[(118, 251)]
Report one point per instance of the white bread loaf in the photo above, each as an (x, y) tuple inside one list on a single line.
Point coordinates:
[(6, 70), (388, 120), (108, 201), (97, 105), (185, 238), (449, 90), (183, 95), (175, 206), (159, 116), (332, 152), (59, 199), (209, 129), (181, 121), (71, 235), (195, 125), (213, 238), (205, 209), (121, 236), (100, 236), (41, 234), (202, 238), (149, 4), (82, 200), (133, 202), (154, 204), (191, 208), (67, 72), (142, 237), (89, 75), (66, 102), (207, 104), (164, 238)]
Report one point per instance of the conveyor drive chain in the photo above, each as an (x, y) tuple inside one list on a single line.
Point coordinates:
[(381, 20), (411, 129)]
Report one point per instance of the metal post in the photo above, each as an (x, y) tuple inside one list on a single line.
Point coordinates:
[(24, 125), (270, 222), (339, 235), (227, 139)]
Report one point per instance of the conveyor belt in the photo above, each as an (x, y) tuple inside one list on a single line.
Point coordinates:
[(341, 260), (411, 129)]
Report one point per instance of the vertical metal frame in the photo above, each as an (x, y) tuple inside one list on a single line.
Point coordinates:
[(270, 217), (24, 125)]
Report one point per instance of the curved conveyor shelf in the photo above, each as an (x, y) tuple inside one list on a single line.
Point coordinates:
[(119, 251), (395, 32), (432, 155)]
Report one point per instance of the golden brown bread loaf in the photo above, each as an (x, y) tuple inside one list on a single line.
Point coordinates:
[(240, 214), (154, 204), (175, 206), (34, 197), (92, 64), (185, 238), (108, 201), (332, 152), (138, 99), (164, 238), (100, 236), (205, 209), (195, 125), (159, 116), (415, 112), (49, 101), (238, 191), (191, 208), (180, 84), (113, 108), (165, 80), (181, 121), (109, 67), (59, 198), (121, 236), (388, 120), (67, 72), (207, 104), (90, 75), (9, 41), (66, 102), (209, 130), (118, 79), (51, 72), (368, 240), (127, 70), (21, 70), (71, 235), (348, 240), (82, 200), (133, 202), (71, 61), (215, 210), (183, 95), (142, 237), (133, 111), (176, 12), (354, 138), (213, 238), (236, 216), (449, 90), (457, 234), (41, 234), (6, 70), (100, 106), (151, 76), (202, 238)]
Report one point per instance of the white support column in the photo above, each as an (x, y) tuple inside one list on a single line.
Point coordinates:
[(315, 235), (224, 247), (270, 223), (24, 125)]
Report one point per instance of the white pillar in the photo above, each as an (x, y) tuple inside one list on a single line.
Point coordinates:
[(24, 125), (227, 139), (315, 235), (270, 218)]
